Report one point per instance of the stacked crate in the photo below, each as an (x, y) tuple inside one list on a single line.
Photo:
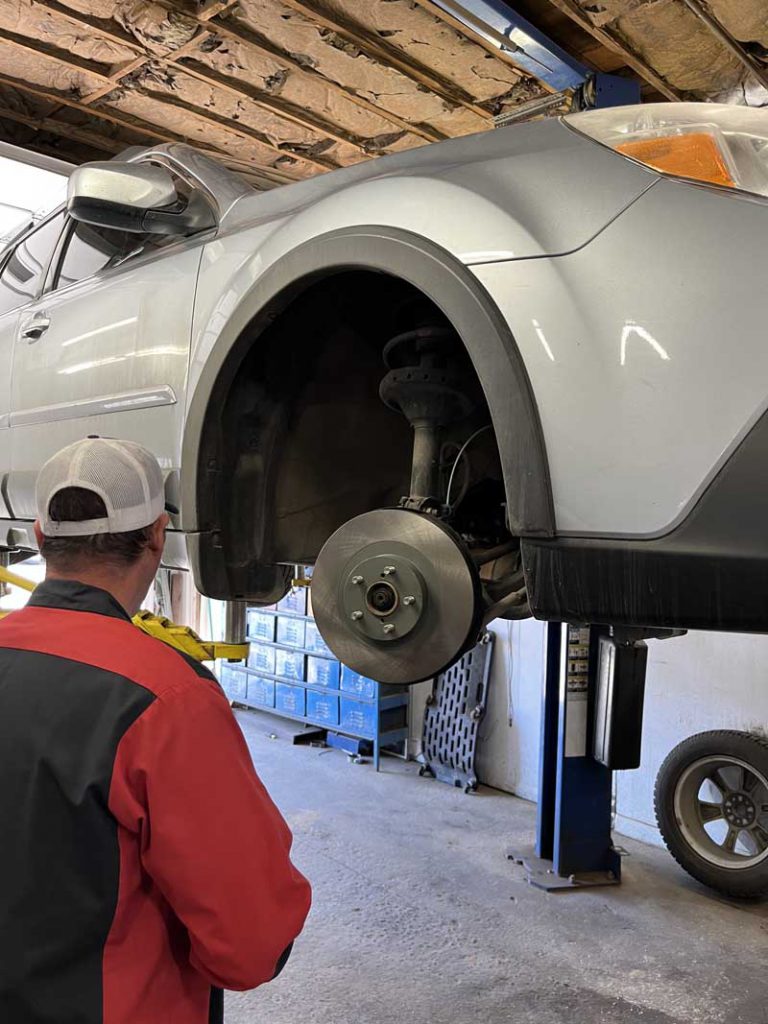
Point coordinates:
[(291, 672)]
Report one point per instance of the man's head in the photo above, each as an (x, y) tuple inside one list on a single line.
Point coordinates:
[(101, 516)]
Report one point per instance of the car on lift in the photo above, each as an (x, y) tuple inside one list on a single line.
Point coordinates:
[(523, 372)]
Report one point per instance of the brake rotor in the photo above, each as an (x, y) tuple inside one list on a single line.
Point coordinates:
[(396, 596)]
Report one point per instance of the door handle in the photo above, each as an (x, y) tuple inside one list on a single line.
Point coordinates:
[(35, 328)]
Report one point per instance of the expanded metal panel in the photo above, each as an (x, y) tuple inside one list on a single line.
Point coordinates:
[(455, 709)]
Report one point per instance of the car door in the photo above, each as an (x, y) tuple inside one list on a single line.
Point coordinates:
[(104, 350), (22, 270)]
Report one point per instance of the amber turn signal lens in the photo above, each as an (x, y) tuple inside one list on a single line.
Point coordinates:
[(690, 155)]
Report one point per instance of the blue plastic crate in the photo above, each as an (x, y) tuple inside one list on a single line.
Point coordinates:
[(290, 631), (313, 641), (289, 664), (261, 625), (290, 699), (233, 682), (358, 717), (361, 686), (294, 601), (262, 658), (323, 672), (260, 691), (322, 707)]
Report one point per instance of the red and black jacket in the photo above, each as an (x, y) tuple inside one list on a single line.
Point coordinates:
[(143, 866)]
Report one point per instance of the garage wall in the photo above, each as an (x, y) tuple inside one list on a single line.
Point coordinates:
[(697, 682)]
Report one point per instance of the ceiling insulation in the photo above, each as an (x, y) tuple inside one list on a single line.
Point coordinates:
[(682, 40), (284, 89)]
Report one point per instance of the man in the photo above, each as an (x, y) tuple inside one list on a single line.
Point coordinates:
[(143, 867)]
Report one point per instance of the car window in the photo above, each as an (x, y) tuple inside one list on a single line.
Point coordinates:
[(90, 249), (22, 273)]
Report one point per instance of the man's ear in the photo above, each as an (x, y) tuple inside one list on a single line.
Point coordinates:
[(39, 535), (157, 533)]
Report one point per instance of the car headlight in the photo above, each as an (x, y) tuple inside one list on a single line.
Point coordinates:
[(706, 142)]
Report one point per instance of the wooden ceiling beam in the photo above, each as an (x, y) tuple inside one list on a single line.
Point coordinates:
[(631, 59), (391, 56)]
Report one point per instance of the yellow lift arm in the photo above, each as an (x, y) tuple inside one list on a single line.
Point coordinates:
[(181, 637)]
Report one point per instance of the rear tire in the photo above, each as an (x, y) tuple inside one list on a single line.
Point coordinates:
[(711, 801)]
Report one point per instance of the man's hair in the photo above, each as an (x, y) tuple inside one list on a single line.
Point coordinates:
[(74, 504)]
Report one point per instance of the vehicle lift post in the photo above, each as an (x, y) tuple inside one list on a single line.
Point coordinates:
[(592, 712)]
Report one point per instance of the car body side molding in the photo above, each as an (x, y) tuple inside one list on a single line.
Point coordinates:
[(141, 398)]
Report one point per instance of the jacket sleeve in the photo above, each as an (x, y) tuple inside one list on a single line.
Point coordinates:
[(213, 840)]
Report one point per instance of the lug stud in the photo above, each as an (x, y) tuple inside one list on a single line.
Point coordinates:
[(389, 627), (389, 570), (357, 580), (355, 616), (408, 600)]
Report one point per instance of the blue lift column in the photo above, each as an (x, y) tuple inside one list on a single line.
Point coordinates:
[(592, 717), (574, 847), (499, 23)]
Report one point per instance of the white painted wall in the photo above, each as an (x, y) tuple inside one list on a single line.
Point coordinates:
[(698, 682)]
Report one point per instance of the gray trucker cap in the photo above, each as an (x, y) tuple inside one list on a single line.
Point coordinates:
[(126, 476)]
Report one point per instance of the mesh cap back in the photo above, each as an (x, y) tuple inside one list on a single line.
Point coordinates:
[(126, 476)]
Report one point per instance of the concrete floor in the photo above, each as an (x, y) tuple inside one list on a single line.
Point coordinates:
[(419, 919)]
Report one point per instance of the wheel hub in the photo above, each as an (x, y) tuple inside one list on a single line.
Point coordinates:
[(384, 597), (396, 596), (739, 810)]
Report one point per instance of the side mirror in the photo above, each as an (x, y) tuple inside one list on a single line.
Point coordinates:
[(135, 197)]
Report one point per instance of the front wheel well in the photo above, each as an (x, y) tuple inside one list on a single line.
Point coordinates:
[(295, 439)]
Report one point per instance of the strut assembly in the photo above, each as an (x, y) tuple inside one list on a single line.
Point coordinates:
[(400, 593)]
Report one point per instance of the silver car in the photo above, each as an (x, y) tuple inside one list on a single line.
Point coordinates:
[(524, 372)]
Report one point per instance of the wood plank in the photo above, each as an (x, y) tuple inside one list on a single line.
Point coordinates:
[(384, 53), (631, 59)]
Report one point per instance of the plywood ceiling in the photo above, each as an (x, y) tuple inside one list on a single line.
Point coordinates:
[(284, 89)]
